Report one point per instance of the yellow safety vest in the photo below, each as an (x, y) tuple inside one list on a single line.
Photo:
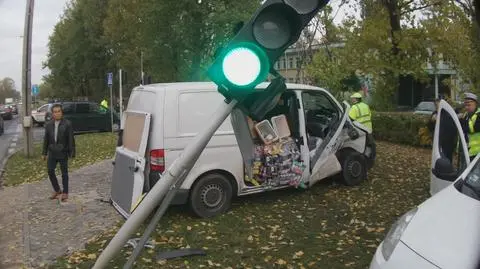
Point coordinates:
[(104, 103), (361, 113), (473, 135)]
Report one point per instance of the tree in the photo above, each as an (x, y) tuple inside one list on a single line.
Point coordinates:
[(386, 44), (321, 25), (175, 48), (7, 89), (45, 90), (78, 58), (453, 36)]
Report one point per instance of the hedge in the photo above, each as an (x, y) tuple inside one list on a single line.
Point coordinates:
[(402, 128)]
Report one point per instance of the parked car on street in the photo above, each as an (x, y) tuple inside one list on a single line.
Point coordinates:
[(38, 115), (14, 108), (443, 231), (87, 116), (425, 108), (6, 112)]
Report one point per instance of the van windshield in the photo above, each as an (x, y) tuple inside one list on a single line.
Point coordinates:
[(470, 186)]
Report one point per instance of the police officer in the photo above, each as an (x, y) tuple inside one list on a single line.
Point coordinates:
[(471, 124), (360, 111), (104, 103)]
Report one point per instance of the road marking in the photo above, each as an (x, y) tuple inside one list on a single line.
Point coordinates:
[(15, 138), (19, 128), (13, 145), (11, 150)]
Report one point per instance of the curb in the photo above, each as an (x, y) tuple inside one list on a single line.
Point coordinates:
[(10, 152)]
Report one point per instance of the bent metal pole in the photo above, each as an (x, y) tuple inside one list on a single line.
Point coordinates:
[(179, 168)]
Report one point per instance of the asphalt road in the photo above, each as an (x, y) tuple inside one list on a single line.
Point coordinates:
[(12, 138)]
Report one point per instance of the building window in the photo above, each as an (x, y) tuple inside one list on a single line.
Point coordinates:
[(283, 63), (298, 60), (290, 63)]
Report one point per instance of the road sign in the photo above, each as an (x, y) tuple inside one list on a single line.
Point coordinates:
[(110, 79), (35, 89)]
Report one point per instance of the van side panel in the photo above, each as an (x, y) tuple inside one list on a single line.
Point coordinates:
[(187, 112)]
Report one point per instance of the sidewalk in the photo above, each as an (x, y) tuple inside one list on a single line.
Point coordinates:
[(35, 230)]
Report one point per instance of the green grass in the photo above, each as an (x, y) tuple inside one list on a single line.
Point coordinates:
[(90, 148), (328, 226)]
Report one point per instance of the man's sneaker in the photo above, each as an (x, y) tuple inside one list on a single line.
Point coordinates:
[(55, 195)]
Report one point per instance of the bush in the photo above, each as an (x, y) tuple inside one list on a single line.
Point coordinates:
[(401, 127)]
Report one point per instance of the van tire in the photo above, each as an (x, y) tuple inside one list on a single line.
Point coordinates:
[(354, 167), (219, 187)]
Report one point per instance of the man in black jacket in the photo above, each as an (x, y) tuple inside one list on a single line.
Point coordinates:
[(58, 146)]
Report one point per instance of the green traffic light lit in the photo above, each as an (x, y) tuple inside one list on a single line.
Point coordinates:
[(241, 66)]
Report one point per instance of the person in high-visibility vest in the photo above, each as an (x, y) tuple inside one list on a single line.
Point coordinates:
[(104, 103), (360, 111), (471, 124)]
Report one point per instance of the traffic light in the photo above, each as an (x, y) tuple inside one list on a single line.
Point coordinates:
[(247, 59)]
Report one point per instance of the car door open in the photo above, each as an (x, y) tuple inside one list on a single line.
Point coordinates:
[(324, 160), (129, 167), (449, 149)]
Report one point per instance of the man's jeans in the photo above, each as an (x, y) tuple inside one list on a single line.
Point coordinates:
[(51, 165)]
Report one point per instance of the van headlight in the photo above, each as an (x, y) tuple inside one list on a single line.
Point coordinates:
[(396, 231)]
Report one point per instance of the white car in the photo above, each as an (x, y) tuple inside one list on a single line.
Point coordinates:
[(38, 115), (449, 149), (442, 232)]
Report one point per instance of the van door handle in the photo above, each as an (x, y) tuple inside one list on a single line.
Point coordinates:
[(133, 168)]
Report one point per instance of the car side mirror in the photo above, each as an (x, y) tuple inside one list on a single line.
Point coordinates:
[(444, 169)]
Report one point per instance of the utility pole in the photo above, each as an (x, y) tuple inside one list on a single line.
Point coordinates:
[(120, 95), (141, 68), (26, 80)]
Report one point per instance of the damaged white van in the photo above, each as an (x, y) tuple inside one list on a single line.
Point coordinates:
[(306, 137)]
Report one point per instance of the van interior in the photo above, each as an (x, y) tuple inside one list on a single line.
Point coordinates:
[(280, 162)]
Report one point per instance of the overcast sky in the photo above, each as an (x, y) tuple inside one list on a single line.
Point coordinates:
[(46, 14), (12, 18)]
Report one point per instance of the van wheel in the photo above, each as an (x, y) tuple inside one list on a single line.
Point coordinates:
[(211, 195), (354, 168)]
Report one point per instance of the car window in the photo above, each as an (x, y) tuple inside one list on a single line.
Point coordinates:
[(317, 101), (82, 108), (426, 106), (470, 186), (68, 108), (95, 108), (43, 108)]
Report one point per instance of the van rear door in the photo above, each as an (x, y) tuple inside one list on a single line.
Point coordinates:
[(129, 166)]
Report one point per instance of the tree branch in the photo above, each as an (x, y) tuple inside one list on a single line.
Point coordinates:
[(465, 6), (419, 8), (406, 4)]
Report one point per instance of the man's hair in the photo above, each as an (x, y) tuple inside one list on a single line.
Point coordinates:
[(57, 105)]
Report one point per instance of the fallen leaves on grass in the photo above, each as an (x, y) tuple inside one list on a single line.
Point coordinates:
[(328, 226), (90, 148)]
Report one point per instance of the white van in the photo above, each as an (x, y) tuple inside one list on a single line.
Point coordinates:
[(161, 119)]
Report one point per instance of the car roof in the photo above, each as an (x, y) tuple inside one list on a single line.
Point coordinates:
[(212, 86)]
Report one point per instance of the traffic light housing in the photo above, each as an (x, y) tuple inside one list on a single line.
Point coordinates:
[(248, 58)]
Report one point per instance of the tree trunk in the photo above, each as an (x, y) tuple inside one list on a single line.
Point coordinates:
[(197, 49), (395, 34)]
